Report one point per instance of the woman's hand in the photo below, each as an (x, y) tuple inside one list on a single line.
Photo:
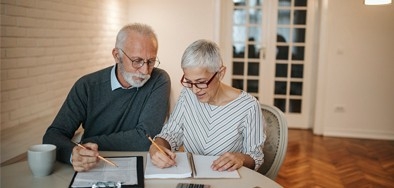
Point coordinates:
[(85, 159), (160, 159), (231, 161), (228, 161)]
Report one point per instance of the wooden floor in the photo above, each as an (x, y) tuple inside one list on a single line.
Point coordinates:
[(331, 162)]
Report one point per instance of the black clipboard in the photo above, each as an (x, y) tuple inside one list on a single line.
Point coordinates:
[(140, 172)]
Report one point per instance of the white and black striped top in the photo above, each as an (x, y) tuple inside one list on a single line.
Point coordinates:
[(213, 130)]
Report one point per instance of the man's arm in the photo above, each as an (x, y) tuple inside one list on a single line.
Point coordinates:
[(65, 124)]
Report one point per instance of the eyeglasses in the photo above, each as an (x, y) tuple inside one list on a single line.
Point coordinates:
[(202, 85), (139, 62)]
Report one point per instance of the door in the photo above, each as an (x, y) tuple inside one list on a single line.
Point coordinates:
[(270, 53)]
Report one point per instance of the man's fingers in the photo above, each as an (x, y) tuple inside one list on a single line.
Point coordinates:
[(87, 152), (83, 166), (84, 159), (91, 146)]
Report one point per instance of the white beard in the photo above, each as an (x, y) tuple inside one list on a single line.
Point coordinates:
[(134, 79)]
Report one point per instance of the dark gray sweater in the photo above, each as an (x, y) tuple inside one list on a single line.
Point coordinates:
[(116, 120)]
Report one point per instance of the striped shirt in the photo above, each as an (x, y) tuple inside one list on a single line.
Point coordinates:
[(214, 130)]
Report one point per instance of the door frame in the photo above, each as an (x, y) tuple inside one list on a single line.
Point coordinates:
[(269, 42)]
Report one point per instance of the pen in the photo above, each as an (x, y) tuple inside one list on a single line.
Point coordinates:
[(157, 146), (102, 158)]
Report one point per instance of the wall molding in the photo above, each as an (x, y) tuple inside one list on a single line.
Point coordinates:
[(362, 134)]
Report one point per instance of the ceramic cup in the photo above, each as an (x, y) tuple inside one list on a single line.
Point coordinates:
[(41, 159)]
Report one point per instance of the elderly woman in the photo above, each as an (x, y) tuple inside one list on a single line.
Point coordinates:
[(210, 117)]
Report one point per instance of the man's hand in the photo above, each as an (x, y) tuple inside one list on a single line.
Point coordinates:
[(85, 159)]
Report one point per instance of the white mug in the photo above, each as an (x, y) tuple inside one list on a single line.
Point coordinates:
[(41, 159)]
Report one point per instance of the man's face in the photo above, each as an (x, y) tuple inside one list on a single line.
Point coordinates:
[(136, 46), (135, 79)]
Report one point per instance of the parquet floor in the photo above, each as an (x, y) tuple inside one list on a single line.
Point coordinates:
[(333, 162)]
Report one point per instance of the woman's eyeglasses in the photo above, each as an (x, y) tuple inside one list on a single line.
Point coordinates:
[(201, 85)]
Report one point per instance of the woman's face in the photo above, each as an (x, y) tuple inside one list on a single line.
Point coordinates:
[(202, 75)]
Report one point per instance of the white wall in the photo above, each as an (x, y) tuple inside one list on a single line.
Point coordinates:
[(177, 23), (46, 45), (355, 91)]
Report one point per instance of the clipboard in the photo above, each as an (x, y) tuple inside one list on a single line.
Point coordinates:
[(102, 168)]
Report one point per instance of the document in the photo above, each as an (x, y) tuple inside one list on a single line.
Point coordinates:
[(128, 172), (184, 166)]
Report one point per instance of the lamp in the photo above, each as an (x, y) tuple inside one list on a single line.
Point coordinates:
[(377, 2)]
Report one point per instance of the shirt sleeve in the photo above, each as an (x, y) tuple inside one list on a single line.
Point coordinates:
[(255, 135)]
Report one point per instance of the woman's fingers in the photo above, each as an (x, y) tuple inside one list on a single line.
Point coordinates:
[(228, 161)]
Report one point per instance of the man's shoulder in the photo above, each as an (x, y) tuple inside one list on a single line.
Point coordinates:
[(160, 75), (160, 72), (98, 76), (100, 72)]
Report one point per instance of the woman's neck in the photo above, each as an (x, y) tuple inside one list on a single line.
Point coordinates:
[(224, 94)]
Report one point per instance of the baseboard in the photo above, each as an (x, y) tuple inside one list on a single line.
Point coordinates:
[(363, 134)]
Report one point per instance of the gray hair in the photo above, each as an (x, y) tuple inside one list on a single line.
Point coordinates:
[(140, 28), (202, 53)]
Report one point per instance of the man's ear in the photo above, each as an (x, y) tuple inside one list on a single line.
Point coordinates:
[(115, 54)]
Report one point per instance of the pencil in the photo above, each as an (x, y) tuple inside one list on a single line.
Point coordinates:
[(102, 158), (158, 147)]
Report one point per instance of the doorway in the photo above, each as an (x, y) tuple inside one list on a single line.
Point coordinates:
[(270, 53)]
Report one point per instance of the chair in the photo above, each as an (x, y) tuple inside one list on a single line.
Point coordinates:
[(275, 145)]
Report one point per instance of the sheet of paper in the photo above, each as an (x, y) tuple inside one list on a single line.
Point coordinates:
[(181, 170), (104, 172), (203, 168)]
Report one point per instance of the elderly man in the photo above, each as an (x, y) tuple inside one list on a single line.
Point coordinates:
[(116, 106)]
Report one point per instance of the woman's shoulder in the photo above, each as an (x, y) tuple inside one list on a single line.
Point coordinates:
[(247, 99)]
